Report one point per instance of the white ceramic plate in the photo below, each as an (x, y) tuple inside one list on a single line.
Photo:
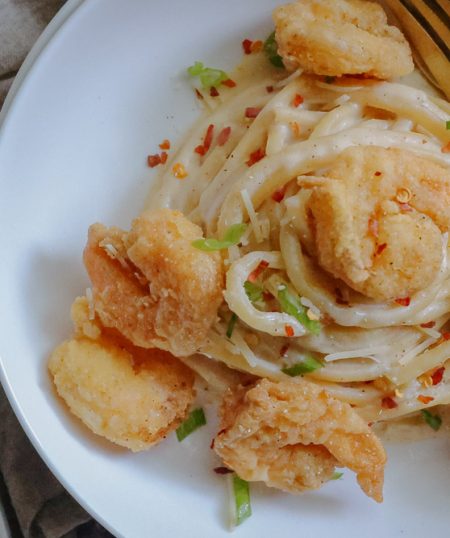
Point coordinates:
[(104, 86)]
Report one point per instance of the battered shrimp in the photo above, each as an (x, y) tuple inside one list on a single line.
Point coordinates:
[(132, 396), (292, 434), (378, 220), (338, 37), (152, 285)]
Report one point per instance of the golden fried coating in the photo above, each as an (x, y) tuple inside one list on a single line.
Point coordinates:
[(152, 285), (132, 396), (378, 220), (341, 37), (292, 434)]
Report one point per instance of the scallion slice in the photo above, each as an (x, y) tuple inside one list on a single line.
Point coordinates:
[(231, 325), (209, 76), (291, 304), (306, 366), (336, 475), (232, 237), (253, 291), (195, 420), (241, 494), (434, 421), (271, 51), (447, 125)]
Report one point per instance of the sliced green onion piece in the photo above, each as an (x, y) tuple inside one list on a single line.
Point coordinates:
[(291, 304), (447, 124), (232, 237), (253, 291), (271, 51), (231, 325), (209, 76), (434, 421), (308, 365), (194, 421), (336, 476), (241, 494)]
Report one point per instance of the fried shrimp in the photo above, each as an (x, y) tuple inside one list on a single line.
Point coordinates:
[(378, 219), (132, 396), (152, 285), (292, 434), (339, 37)]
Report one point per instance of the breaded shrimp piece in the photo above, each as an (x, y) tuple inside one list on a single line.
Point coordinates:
[(341, 37), (152, 285), (292, 434), (132, 396), (378, 219)]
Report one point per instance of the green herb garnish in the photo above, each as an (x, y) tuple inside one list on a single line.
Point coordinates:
[(434, 421), (209, 76), (231, 325), (291, 304), (271, 51), (336, 476), (241, 493), (232, 237), (253, 291), (306, 366), (194, 421), (447, 125)]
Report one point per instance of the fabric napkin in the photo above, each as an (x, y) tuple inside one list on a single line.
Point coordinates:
[(36, 504)]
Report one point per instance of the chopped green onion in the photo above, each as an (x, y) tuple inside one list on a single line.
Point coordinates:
[(336, 476), (447, 125), (209, 76), (291, 304), (329, 80), (231, 325), (306, 366), (253, 291), (232, 237), (434, 421), (271, 51), (241, 494), (194, 421)]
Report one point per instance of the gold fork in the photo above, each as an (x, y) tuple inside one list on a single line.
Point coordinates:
[(426, 24)]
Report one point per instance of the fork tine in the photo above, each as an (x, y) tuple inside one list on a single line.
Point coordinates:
[(427, 26)]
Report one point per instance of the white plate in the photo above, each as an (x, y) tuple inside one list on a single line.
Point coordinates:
[(104, 91)]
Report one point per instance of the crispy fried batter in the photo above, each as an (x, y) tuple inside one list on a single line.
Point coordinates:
[(366, 236), (152, 285), (339, 37), (292, 434), (132, 396)]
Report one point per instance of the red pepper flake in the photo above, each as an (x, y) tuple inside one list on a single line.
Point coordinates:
[(403, 301), (252, 277), (438, 375), (269, 89), (256, 156), (388, 403), (163, 157), (446, 148), (229, 83), (425, 399), (153, 160), (247, 46), (284, 350), (405, 208), (198, 94), (428, 325), (289, 330), (267, 296), (278, 195), (222, 470), (252, 111), (208, 137), (256, 46), (373, 227), (297, 101), (380, 249), (446, 335), (200, 149), (377, 173), (223, 136), (165, 144), (213, 92)]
